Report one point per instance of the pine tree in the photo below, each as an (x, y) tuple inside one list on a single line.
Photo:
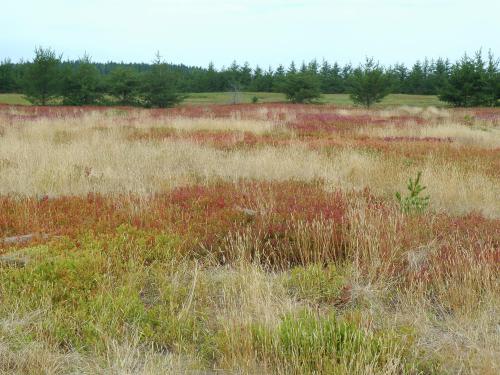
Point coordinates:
[(313, 67), (331, 80), (302, 87), (279, 77), (158, 89), (399, 76), (440, 75), (492, 89), (416, 79), (468, 83), (7, 76), (81, 85), (245, 75), (369, 84), (123, 83), (42, 78), (213, 79), (257, 79)]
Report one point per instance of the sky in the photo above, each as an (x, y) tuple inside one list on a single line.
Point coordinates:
[(262, 32)]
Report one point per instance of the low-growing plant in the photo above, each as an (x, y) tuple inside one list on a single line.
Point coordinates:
[(415, 202), (315, 283), (468, 120), (311, 344)]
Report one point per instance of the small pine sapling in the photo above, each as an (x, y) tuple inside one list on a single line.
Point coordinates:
[(414, 202)]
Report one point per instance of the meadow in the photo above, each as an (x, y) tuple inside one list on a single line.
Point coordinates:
[(208, 98), (249, 239)]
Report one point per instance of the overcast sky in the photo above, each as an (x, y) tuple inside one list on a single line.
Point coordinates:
[(264, 32)]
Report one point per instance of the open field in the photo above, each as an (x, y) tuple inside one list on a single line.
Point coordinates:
[(336, 99), (15, 99), (249, 239), (269, 97)]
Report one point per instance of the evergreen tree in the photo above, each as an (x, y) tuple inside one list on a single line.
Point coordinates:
[(123, 83), (7, 76), (42, 79), (313, 67), (303, 68), (302, 88), (234, 76), (268, 80), (440, 75), (369, 84), (416, 79), (245, 75), (492, 89), (427, 69), (262, 81), (279, 77), (213, 79), (399, 76), (347, 71), (331, 80), (81, 85), (467, 85), (257, 79), (158, 89)]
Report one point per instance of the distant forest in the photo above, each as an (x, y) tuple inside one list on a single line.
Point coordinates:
[(121, 80), (424, 77)]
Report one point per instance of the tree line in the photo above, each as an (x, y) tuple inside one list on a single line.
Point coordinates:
[(470, 81)]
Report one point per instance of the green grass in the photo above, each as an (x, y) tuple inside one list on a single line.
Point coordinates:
[(13, 99), (338, 99), (227, 97), (271, 97)]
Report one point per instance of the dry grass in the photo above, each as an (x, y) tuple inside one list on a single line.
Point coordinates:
[(462, 135), (94, 155)]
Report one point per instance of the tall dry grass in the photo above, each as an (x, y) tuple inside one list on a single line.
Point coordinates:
[(94, 154), (484, 137)]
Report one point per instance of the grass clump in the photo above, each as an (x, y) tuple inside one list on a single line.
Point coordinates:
[(315, 283), (311, 344)]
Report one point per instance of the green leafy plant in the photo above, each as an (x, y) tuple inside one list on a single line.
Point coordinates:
[(414, 202)]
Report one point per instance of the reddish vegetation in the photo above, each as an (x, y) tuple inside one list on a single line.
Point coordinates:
[(307, 123), (416, 139), (203, 212), (205, 215), (225, 140)]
